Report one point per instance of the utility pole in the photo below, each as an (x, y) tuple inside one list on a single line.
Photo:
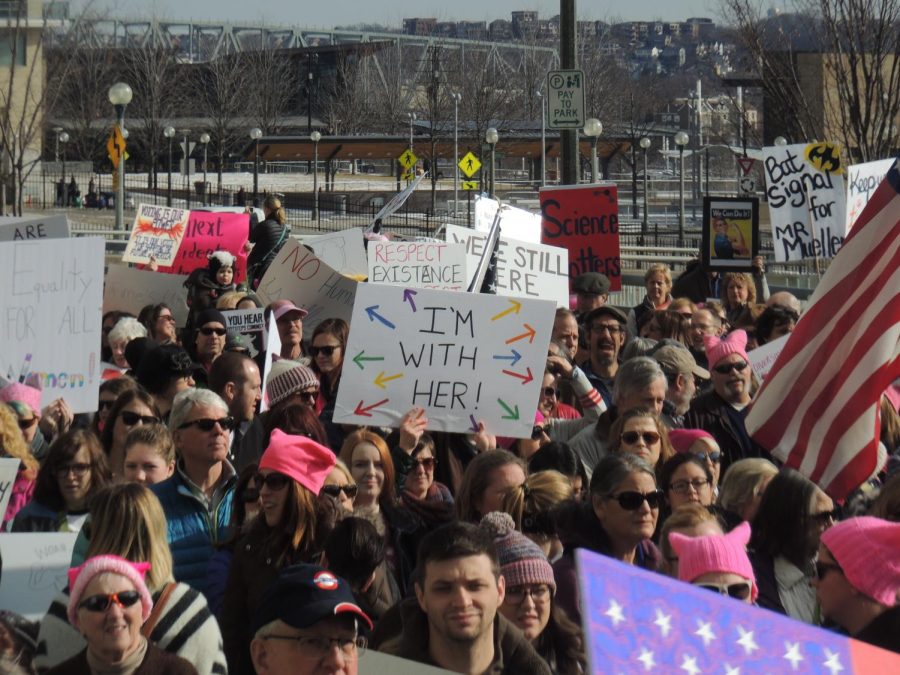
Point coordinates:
[(567, 57)]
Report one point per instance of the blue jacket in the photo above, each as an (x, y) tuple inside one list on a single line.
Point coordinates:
[(192, 532)]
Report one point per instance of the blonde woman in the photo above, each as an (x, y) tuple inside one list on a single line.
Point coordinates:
[(531, 505), (658, 283), (266, 239), (12, 444)]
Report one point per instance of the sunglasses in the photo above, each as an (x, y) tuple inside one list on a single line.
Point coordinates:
[(209, 331), (309, 396), (166, 317), (100, 603), (537, 431), (550, 392), (633, 500), (738, 591), (27, 424), (826, 516), (103, 405), (78, 469), (250, 495), (207, 424), (632, 437), (824, 568), (726, 368), (427, 463), (714, 457), (131, 418), (335, 491), (324, 351), (273, 481)]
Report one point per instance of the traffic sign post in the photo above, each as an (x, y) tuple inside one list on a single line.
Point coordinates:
[(470, 185), (115, 146), (408, 159), (746, 164), (565, 99), (469, 165)]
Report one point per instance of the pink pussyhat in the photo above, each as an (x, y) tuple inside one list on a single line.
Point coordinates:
[(718, 348), (81, 576), (683, 439), (300, 458), (716, 553), (24, 394), (868, 551)]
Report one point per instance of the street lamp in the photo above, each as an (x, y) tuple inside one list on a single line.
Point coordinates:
[(169, 132), (592, 129), (315, 137), (780, 141), (645, 145), (120, 96), (204, 138), (681, 139), (540, 95), (256, 134), (412, 118), (187, 164), (457, 97), (491, 137), (64, 138)]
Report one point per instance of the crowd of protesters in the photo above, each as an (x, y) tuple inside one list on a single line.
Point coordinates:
[(213, 538)]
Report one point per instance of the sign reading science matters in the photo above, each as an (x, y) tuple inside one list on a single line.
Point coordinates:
[(463, 357)]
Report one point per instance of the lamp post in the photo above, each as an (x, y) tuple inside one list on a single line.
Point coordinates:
[(256, 134), (645, 145), (64, 138), (412, 118), (681, 139), (315, 137), (540, 95), (187, 164), (204, 138), (780, 141), (592, 129), (457, 97), (491, 137), (120, 96), (169, 133)]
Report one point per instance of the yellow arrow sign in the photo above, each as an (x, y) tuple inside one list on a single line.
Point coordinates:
[(470, 185), (514, 308), (115, 145), (381, 380), (408, 159), (407, 175), (469, 164)]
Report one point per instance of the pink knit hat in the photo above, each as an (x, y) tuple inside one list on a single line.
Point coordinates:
[(521, 560), (716, 553), (299, 457), (683, 439), (868, 551), (24, 394), (81, 576), (718, 348)]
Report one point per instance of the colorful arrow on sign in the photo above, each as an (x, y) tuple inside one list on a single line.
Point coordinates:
[(529, 334), (475, 427), (359, 358), (380, 379), (525, 378), (515, 308), (363, 411), (373, 315), (408, 295), (512, 358), (512, 414)]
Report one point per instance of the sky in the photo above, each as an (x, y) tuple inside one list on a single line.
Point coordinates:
[(331, 13)]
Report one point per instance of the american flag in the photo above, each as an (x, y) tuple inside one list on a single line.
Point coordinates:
[(818, 408), (637, 621)]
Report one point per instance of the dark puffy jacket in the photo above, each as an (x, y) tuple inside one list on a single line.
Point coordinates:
[(709, 412)]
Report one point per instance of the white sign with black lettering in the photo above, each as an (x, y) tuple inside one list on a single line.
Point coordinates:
[(565, 99), (418, 264)]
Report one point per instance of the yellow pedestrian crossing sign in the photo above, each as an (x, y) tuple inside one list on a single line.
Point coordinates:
[(469, 165), (470, 185), (408, 159), (408, 175)]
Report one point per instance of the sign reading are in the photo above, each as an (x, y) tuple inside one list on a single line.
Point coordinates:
[(33, 227)]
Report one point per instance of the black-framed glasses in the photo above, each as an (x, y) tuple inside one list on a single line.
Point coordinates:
[(537, 431), (683, 487), (538, 592), (100, 603), (207, 423), (826, 517), (320, 645), (103, 405), (427, 463), (336, 490), (738, 591), (208, 330), (632, 437), (632, 500), (129, 418), (273, 481), (614, 329), (725, 368), (27, 424), (250, 495), (325, 351), (310, 396), (823, 568), (714, 457), (551, 392), (77, 468)]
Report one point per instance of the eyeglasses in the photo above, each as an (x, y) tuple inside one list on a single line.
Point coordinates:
[(822, 569), (321, 646), (633, 500), (682, 487), (324, 351), (100, 603), (551, 392), (738, 591), (273, 481), (632, 437), (166, 317), (129, 418), (250, 495), (335, 491), (207, 424), (825, 517), (726, 368), (78, 469), (427, 463), (613, 329), (308, 396), (714, 457), (103, 405), (27, 424), (537, 431), (206, 330), (539, 593)]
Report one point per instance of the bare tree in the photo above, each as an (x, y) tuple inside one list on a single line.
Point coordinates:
[(274, 85), (346, 102)]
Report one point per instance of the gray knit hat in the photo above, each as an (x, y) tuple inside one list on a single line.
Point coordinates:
[(289, 377), (521, 560)]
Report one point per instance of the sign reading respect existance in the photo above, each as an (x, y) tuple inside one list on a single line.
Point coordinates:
[(418, 264), (463, 357)]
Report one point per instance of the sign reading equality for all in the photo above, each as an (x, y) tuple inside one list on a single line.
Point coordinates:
[(585, 220), (807, 201), (463, 357), (418, 264), (565, 99)]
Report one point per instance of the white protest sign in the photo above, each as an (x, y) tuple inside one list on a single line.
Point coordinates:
[(524, 269), (251, 324), (273, 349), (862, 180), (129, 289), (297, 274), (763, 358), (157, 232), (50, 315), (27, 227), (807, 200), (9, 467), (344, 250), (463, 357), (519, 223), (35, 570), (418, 264)]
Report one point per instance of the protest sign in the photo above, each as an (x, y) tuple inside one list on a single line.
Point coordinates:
[(517, 223), (344, 250), (9, 467), (862, 180), (273, 349), (208, 232), (299, 275), (50, 316), (584, 220), (806, 196), (34, 571), (730, 233), (157, 232), (251, 324), (763, 358), (418, 264), (129, 289), (463, 357), (524, 269), (395, 202), (14, 228)]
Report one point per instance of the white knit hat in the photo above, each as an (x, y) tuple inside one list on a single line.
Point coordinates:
[(288, 377)]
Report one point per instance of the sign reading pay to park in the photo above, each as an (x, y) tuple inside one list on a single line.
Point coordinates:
[(463, 357)]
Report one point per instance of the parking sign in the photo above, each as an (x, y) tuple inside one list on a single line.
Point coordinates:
[(565, 101)]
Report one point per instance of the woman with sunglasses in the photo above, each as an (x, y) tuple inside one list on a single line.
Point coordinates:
[(110, 390), (717, 563), (109, 603), (160, 323), (702, 445), (327, 345), (75, 469), (618, 521), (291, 473), (428, 499), (685, 480), (133, 408), (641, 432), (339, 485), (13, 445)]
